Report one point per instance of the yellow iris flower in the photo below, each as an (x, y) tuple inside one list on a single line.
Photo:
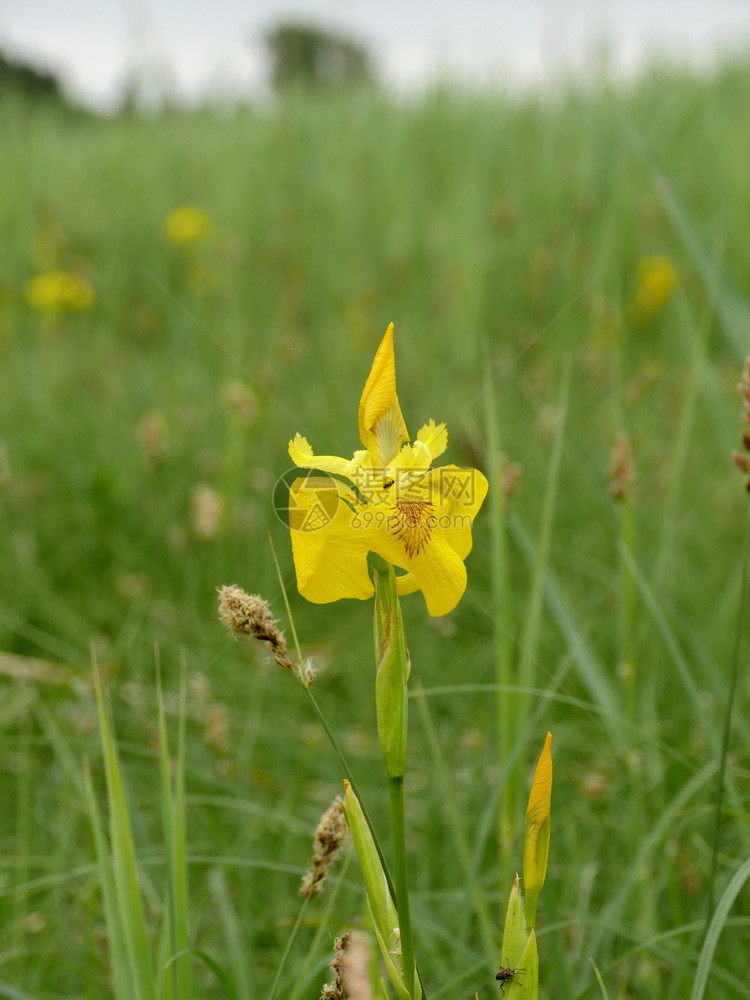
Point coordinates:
[(385, 499)]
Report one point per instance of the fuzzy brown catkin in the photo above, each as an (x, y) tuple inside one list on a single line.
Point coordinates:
[(249, 615), (330, 837)]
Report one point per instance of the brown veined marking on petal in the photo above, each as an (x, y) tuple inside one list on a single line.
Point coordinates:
[(412, 522)]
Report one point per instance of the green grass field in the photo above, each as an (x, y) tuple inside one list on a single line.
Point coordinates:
[(141, 440)]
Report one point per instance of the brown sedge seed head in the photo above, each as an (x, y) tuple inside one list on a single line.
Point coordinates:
[(330, 836), (249, 615)]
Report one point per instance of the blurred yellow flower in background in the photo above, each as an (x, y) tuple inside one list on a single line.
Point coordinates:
[(188, 224), (656, 282), (58, 290)]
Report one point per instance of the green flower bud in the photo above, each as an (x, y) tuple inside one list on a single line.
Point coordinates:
[(379, 899), (392, 662)]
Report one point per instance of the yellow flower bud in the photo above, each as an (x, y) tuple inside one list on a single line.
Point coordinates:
[(536, 845)]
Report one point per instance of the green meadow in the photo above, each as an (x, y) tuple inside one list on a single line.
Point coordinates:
[(568, 279)]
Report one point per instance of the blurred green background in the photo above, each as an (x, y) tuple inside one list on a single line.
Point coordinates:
[(153, 368)]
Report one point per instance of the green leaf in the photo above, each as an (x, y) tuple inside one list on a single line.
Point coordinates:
[(128, 902), (526, 986), (516, 933), (177, 983), (714, 930), (230, 990), (379, 899)]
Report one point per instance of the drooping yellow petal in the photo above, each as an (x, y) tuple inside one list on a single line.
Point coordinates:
[(464, 491), (536, 844), (435, 437), (406, 583), (302, 455), (330, 557), (410, 535), (381, 424), (439, 573)]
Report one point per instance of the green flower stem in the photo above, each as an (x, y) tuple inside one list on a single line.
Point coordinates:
[(398, 832), (348, 772), (287, 950), (390, 646), (392, 674)]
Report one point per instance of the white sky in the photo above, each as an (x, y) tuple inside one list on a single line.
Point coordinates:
[(195, 45)]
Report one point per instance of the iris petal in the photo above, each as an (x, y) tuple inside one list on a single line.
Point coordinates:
[(436, 569), (406, 584), (381, 424), (302, 455), (435, 437), (330, 558), (464, 491)]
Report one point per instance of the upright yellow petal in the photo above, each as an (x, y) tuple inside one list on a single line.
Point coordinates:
[(412, 458), (536, 846), (435, 437), (381, 424)]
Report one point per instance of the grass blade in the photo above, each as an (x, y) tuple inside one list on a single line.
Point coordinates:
[(118, 951), (125, 870), (178, 982), (732, 307), (714, 930), (592, 671)]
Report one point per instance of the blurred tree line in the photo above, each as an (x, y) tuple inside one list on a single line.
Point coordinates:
[(303, 55), (300, 55), (23, 79)]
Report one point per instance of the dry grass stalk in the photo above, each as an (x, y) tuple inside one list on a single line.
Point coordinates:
[(621, 468), (742, 461), (357, 960), (336, 990), (351, 969)]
